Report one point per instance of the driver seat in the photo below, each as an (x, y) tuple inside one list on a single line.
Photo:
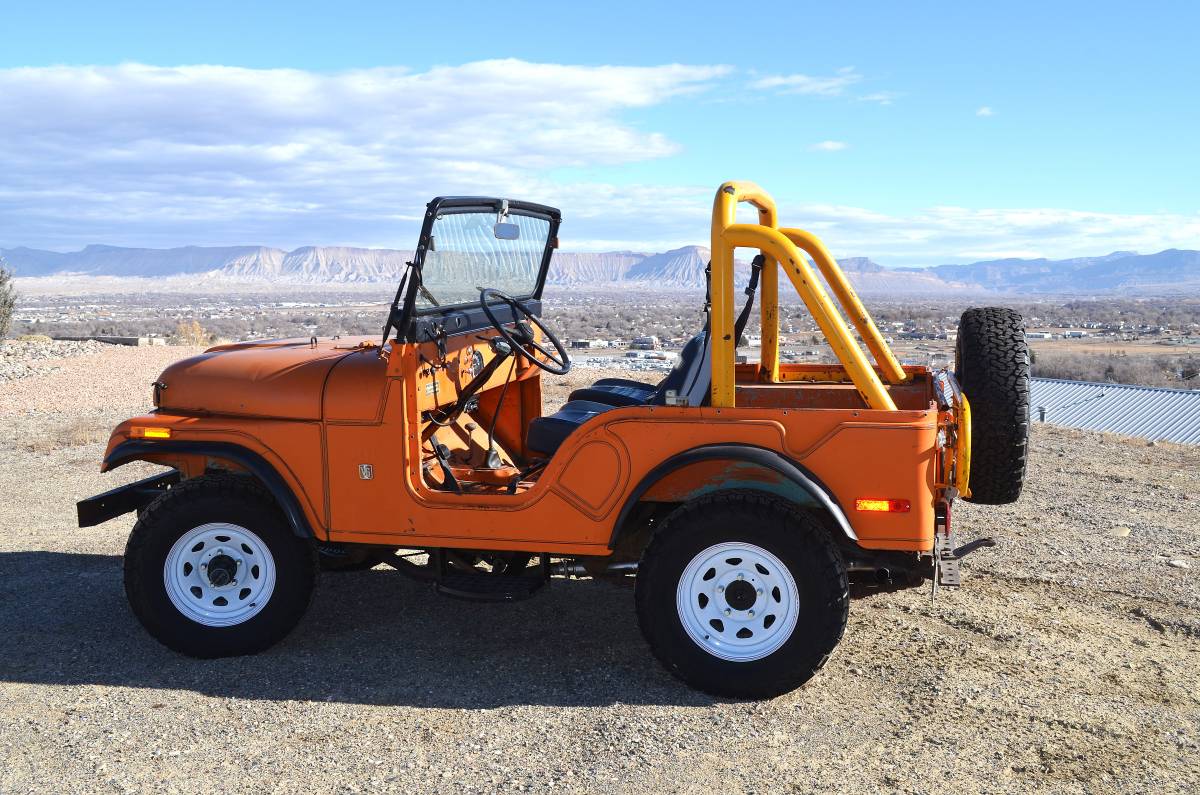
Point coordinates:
[(691, 377)]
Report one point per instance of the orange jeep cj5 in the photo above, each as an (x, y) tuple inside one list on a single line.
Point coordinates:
[(744, 497)]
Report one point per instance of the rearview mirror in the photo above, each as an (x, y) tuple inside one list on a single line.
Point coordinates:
[(504, 231)]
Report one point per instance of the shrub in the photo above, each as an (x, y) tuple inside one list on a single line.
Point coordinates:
[(191, 334), (74, 434), (8, 299), (1171, 371)]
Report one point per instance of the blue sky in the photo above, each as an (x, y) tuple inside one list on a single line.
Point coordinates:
[(913, 133)]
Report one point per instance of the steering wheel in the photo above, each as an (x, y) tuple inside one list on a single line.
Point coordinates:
[(522, 339)]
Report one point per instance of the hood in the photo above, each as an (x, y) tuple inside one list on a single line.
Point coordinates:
[(278, 378)]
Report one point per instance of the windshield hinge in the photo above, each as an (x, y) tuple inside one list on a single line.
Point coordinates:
[(441, 343)]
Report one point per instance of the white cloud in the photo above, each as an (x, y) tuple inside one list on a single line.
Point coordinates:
[(985, 111), (157, 155), (142, 155), (955, 234), (829, 146), (825, 85), (930, 236), (880, 97)]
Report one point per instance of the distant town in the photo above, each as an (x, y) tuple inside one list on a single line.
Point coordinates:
[(1147, 341)]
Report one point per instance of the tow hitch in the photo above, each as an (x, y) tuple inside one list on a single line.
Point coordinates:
[(946, 555), (971, 546)]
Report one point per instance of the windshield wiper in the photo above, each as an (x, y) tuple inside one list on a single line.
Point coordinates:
[(428, 295), (391, 318)]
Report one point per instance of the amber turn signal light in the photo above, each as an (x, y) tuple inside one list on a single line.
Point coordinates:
[(139, 432), (882, 506)]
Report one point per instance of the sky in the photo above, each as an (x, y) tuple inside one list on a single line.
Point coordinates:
[(913, 133)]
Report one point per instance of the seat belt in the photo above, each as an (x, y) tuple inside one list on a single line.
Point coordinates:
[(739, 326)]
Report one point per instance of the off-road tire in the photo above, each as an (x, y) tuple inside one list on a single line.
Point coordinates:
[(992, 366), (235, 499), (796, 538)]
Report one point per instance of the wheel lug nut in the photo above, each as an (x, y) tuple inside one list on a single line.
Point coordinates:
[(720, 589), (759, 591), (741, 576), (204, 565), (727, 611), (235, 583), (751, 612)]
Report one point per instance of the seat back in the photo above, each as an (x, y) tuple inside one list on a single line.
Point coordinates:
[(691, 377)]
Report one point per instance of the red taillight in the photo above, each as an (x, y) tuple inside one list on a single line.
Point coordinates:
[(875, 505)]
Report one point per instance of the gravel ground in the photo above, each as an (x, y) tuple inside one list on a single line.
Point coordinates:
[(24, 359), (1068, 662)]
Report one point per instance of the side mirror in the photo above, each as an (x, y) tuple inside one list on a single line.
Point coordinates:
[(506, 231)]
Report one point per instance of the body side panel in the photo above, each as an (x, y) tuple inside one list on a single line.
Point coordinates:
[(575, 503)]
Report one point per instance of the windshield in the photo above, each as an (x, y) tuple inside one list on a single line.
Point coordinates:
[(466, 255)]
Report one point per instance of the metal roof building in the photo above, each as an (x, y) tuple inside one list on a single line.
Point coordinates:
[(1155, 413)]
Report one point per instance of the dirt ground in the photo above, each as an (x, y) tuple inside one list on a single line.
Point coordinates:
[(1068, 662)]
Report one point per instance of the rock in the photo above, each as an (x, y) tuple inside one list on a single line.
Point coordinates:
[(1119, 532), (1179, 563)]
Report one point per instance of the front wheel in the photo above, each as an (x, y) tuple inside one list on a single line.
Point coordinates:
[(212, 569), (741, 594)]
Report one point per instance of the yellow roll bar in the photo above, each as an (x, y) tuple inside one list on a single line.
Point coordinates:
[(851, 305), (782, 249)]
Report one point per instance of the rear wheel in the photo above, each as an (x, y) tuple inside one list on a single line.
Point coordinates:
[(992, 366), (742, 595), (212, 569)]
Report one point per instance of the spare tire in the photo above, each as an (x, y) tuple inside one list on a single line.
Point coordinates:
[(992, 365)]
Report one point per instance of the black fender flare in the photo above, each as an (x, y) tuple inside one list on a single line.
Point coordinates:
[(790, 471), (255, 464)]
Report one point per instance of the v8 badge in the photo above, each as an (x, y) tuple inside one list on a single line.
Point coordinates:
[(366, 472)]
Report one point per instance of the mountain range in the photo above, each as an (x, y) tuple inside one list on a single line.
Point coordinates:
[(1169, 271)]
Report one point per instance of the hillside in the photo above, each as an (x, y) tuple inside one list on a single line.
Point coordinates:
[(1172, 270), (584, 269), (1169, 271)]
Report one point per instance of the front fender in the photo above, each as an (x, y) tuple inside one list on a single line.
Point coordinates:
[(257, 466)]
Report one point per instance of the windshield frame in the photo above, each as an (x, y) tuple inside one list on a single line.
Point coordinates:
[(443, 205)]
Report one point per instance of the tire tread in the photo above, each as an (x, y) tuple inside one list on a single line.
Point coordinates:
[(993, 370)]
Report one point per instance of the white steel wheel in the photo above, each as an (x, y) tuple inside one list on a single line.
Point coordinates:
[(219, 574), (738, 601)]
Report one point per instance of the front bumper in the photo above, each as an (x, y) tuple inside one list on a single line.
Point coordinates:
[(122, 500)]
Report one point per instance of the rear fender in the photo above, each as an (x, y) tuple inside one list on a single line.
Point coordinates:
[(722, 467), (248, 460)]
